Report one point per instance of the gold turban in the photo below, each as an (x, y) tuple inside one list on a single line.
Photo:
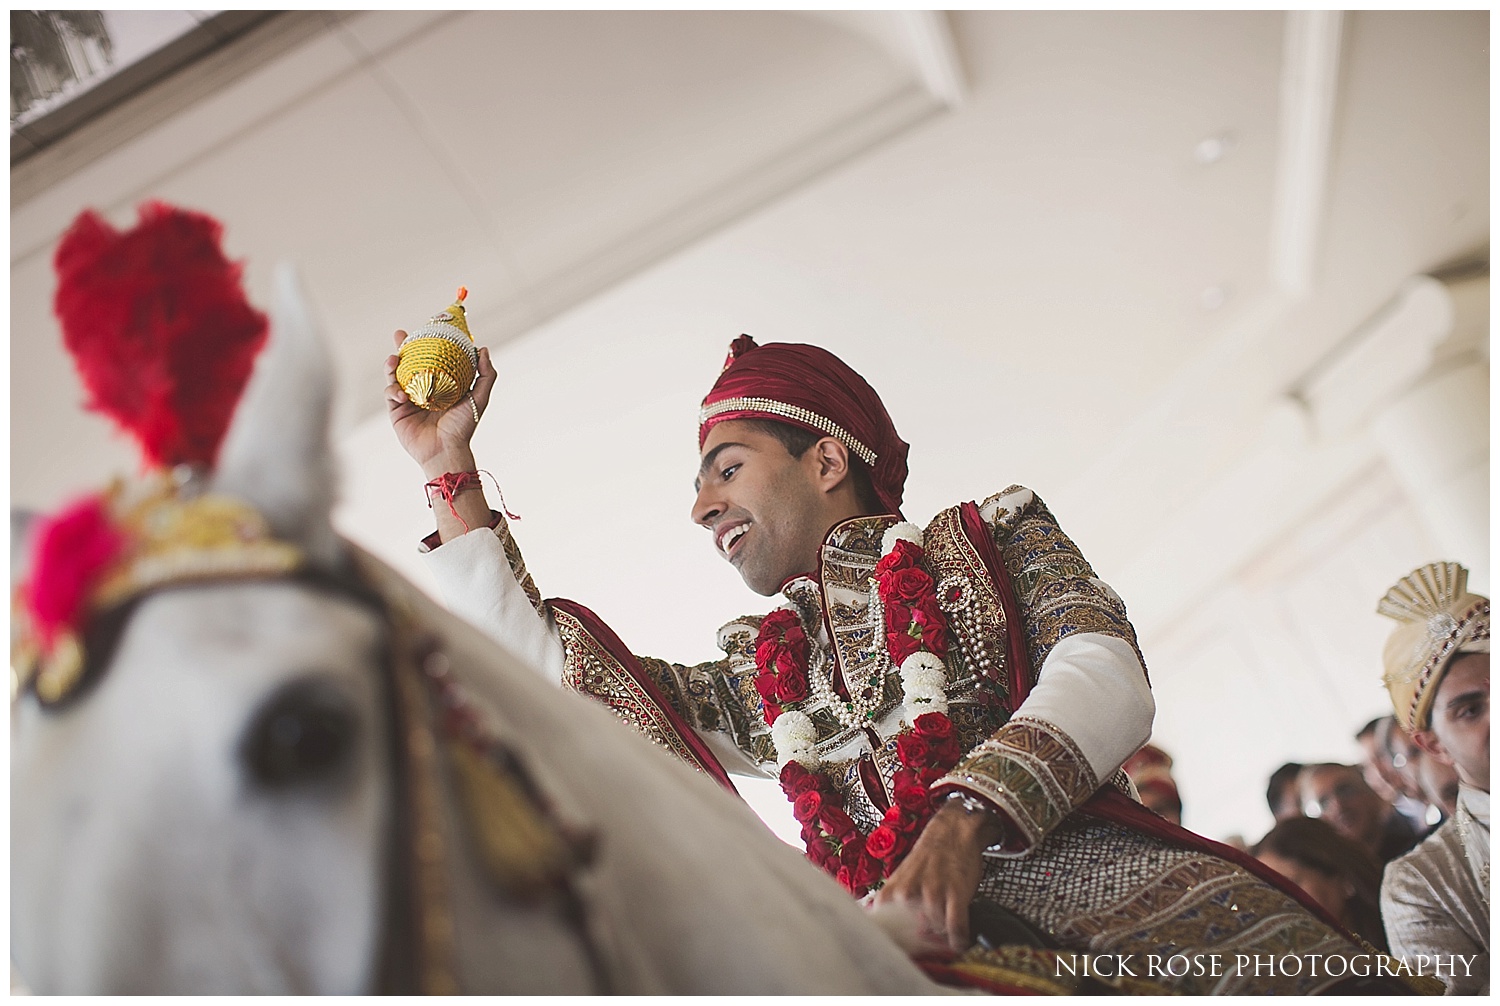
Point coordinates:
[(1436, 618)]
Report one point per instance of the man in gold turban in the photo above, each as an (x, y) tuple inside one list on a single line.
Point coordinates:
[(1436, 898)]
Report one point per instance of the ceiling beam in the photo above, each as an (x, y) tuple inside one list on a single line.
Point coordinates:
[(1309, 89), (929, 42)]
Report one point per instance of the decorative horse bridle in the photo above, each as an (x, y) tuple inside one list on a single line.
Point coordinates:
[(523, 847), (171, 536)]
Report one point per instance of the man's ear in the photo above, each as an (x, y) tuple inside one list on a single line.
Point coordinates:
[(1430, 745), (832, 458)]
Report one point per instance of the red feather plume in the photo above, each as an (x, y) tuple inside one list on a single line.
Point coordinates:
[(159, 328)]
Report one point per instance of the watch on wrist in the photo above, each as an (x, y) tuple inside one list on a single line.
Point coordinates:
[(972, 805)]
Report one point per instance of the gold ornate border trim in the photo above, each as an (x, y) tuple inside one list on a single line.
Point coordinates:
[(1032, 772), (590, 668)]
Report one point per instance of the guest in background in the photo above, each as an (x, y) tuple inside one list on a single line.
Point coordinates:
[(1416, 779), (1376, 765), (1339, 795), (1282, 795), (1337, 872), (1150, 769), (1436, 899), (1440, 786)]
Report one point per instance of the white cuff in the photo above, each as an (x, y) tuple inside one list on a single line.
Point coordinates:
[(477, 584), (1093, 688)]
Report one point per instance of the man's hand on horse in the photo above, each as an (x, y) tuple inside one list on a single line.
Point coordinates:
[(438, 441), (940, 876)]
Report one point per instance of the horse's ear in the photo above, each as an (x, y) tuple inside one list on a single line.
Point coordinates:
[(277, 454)]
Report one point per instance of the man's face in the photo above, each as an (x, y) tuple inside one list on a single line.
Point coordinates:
[(1459, 734), (1338, 794), (766, 509), (1290, 804)]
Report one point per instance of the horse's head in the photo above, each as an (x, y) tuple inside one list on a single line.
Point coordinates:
[(204, 809)]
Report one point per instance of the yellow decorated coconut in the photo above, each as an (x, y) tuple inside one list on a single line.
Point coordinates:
[(439, 361)]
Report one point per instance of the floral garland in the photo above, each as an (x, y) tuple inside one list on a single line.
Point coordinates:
[(904, 597)]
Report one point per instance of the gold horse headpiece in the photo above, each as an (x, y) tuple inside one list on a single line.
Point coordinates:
[(106, 550)]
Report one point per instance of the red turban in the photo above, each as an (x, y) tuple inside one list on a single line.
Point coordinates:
[(810, 388)]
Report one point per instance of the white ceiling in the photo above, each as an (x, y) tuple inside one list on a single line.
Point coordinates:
[(536, 157), (1013, 238)]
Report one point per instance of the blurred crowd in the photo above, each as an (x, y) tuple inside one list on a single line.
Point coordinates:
[(1396, 848)]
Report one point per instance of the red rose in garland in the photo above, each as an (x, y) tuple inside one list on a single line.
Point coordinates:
[(882, 842), (791, 686), (916, 635), (913, 748), (933, 628), (905, 555), (781, 651), (934, 726), (837, 822), (805, 808), (907, 585), (901, 645), (913, 798)]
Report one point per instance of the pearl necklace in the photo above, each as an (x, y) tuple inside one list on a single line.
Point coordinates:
[(922, 682)]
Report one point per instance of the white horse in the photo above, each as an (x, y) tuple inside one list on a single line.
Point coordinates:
[(258, 794)]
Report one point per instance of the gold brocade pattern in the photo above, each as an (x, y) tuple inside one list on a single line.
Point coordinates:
[(858, 650), (746, 722), (518, 565), (1095, 887), (708, 697), (1054, 584), (1032, 771), (841, 599), (590, 668)]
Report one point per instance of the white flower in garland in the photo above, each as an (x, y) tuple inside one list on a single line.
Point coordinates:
[(921, 703), (794, 735), (923, 666), (904, 531), (923, 681)]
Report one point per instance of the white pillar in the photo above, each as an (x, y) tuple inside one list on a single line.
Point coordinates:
[(1436, 437)]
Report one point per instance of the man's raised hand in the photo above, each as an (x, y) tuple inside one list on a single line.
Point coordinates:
[(438, 441)]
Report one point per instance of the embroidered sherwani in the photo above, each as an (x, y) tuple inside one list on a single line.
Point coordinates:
[(1435, 900), (1047, 694)]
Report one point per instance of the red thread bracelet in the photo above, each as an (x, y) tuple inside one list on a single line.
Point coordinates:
[(450, 484)]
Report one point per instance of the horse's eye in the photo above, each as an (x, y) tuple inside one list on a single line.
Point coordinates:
[(303, 733)]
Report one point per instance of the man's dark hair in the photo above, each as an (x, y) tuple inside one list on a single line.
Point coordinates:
[(1281, 780), (1319, 846), (1368, 730), (797, 440)]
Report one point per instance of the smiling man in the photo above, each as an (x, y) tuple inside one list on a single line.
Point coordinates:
[(947, 706), (1436, 898)]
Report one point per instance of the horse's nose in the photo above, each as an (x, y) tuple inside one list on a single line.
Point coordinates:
[(303, 734)]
